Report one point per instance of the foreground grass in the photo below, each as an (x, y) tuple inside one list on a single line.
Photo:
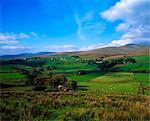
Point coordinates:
[(81, 106)]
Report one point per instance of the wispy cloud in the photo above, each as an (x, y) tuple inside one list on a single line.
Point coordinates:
[(87, 26), (11, 47), (14, 49), (23, 36), (92, 47), (71, 48), (10, 43), (135, 16), (6, 36), (12, 38), (62, 48)]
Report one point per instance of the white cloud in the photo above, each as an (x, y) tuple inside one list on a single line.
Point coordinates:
[(8, 42), (12, 38), (62, 48), (121, 42), (13, 49), (23, 36), (122, 27), (92, 47), (16, 47), (87, 27), (33, 34), (7, 36), (136, 22), (71, 48)]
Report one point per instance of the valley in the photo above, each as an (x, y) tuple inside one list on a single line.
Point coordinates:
[(92, 86)]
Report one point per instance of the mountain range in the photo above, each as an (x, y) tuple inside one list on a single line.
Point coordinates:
[(129, 50)]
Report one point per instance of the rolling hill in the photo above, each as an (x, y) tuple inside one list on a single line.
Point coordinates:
[(128, 50), (25, 55)]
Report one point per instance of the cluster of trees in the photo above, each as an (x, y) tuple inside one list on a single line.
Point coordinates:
[(40, 83), (32, 63), (107, 64)]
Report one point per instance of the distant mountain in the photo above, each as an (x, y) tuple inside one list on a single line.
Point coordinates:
[(129, 49), (143, 51), (43, 53), (123, 50), (25, 55)]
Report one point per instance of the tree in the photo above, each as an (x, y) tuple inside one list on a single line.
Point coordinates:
[(58, 79), (32, 76), (104, 65), (71, 84), (39, 87), (130, 60), (91, 62), (74, 85)]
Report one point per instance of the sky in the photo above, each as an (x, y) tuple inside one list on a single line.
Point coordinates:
[(71, 25)]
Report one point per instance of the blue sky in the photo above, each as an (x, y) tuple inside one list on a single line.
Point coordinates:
[(71, 25)]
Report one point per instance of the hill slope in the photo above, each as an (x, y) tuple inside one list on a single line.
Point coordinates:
[(25, 55), (130, 49)]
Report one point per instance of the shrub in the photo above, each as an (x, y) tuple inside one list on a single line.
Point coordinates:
[(57, 80), (39, 87), (71, 84)]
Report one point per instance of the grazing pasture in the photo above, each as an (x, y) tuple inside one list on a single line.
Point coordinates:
[(142, 64)]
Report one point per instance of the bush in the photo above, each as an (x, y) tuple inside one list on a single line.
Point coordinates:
[(81, 72), (71, 84), (129, 60), (39, 88), (57, 80)]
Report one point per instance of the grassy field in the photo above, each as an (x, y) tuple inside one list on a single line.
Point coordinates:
[(11, 75), (144, 78), (142, 63), (5, 69), (84, 78), (119, 82), (113, 82), (104, 81)]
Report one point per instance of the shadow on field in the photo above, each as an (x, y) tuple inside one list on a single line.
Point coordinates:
[(83, 87)]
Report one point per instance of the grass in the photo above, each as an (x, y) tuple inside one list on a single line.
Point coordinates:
[(112, 78), (120, 82), (109, 96), (142, 63), (5, 69), (141, 77), (79, 106), (11, 76), (84, 78), (130, 88), (19, 89), (28, 68)]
